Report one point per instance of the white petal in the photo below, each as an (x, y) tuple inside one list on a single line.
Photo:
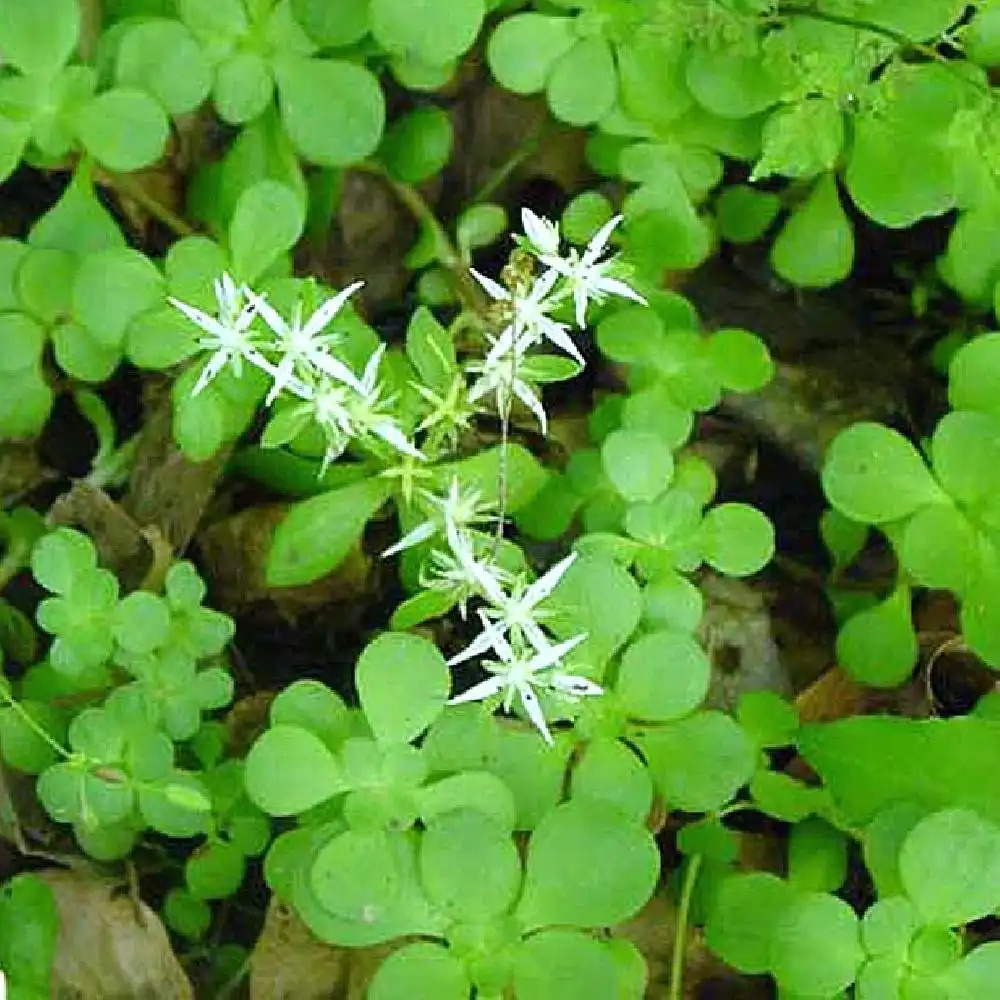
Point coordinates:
[(554, 654), (566, 268), (481, 691), (282, 376), (494, 290), (324, 316), (543, 285), (329, 365), (559, 336), (600, 240), (391, 434), (545, 584), (574, 685), (419, 534), (207, 323), (270, 315), (502, 347), (613, 286), (214, 365), (534, 711), (478, 574), (483, 643), (542, 234), (370, 376), (530, 400), (580, 300)]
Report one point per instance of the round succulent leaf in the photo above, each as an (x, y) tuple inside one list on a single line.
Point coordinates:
[(730, 83), (816, 946), (815, 248), (25, 403), (356, 876), (313, 706), (817, 856), (628, 334), (583, 83), (743, 918), (289, 770), (933, 950), (268, 220), (21, 746), (939, 548), (610, 773), (215, 871), (663, 676), (950, 867), (420, 971), (81, 355), (124, 129), (418, 145), (878, 646), (562, 964), (186, 915), (332, 110), (888, 926), (158, 339), (403, 683), (243, 87), (587, 866), (672, 602), (480, 791), (162, 56), (638, 463), (700, 762), (61, 556), (36, 38), (873, 475), (333, 23), (21, 342), (469, 866), (965, 453), (918, 22), (433, 31), (976, 974), (767, 718), (523, 49), (744, 214), (588, 212), (45, 282), (741, 359), (141, 622), (736, 539)]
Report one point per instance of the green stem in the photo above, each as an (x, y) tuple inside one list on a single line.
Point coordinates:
[(470, 293), (680, 935), (498, 178)]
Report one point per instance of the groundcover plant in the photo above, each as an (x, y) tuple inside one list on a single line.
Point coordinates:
[(501, 499)]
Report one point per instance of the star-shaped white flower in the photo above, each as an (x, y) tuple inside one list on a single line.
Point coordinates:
[(304, 347), (456, 510), (588, 277), (530, 322), (498, 375), (509, 613), (227, 334), (542, 234), (519, 674)]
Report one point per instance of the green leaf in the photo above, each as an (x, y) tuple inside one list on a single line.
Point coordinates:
[(815, 248), (317, 534), (524, 48), (741, 360), (469, 866), (981, 39), (420, 971), (976, 974), (433, 31), (215, 871), (585, 215), (21, 342), (268, 220), (663, 676), (736, 539), (583, 83), (480, 226), (481, 472), (767, 718), (630, 334), (874, 475), (20, 744), (142, 622), (563, 964), (639, 464), (333, 23), (29, 934), (700, 762), (13, 139), (160, 55), (801, 140), (123, 129), (430, 348), (743, 919), (186, 915), (918, 22), (403, 683), (78, 222), (878, 646), (973, 374), (729, 82), (110, 289), (469, 790), (39, 38), (60, 557), (950, 867), (868, 763), (888, 926), (939, 548), (817, 857), (610, 773), (744, 214), (81, 355), (289, 770), (313, 706), (418, 145), (243, 87), (587, 866), (816, 947), (333, 111)]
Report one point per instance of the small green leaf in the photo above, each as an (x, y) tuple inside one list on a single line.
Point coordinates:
[(434, 31), (124, 129), (318, 533), (420, 971), (215, 871), (744, 214), (939, 548), (583, 83), (815, 248), (186, 915), (817, 857), (268, 220), (312, 705), (403, 682), (639, 464), (874, 475), (418, 145), (333, 111), (731, 82), (878, 646), (801, 139), (524, 48), (663, 676), (78, 222), (741, 360), (290, 770), (743, 918), (587, 866), (562, 964), (333, 23), (610, 773), (888, 926), (431, 350), (950, 867), (976, 974), (736, 539), (29, 935), (39, 38), (21, 342), (243, 88), (60, 557), (480, 226)]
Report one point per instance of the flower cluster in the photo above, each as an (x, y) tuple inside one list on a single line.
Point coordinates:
[(542, 292)]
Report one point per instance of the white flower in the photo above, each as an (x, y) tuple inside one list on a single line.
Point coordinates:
[(304, 348), (514, 613), (530, 321), (457, 510), (350, 409), (542, 234), (448, 572), (226, 333), (498, 375), (588, 277), (518, 674)]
